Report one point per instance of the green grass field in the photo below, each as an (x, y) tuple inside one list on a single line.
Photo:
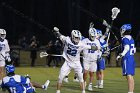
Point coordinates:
[(113, 82)]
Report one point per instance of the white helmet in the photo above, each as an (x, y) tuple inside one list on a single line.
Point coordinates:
[(2, 33), (92, 33), (76, 36)]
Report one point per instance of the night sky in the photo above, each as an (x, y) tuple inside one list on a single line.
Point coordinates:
[(38, 17)]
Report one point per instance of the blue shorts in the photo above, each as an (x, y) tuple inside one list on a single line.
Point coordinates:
[(128, 65), (101, 64)]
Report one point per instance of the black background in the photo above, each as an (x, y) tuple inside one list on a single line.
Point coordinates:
[(37, 17)]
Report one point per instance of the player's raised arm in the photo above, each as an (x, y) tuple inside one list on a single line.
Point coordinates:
[(58, 34)]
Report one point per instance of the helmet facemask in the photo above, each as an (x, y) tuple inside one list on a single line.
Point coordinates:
[(126, 28), (76, 36), (92, 33), (2, 34), (99, 33)]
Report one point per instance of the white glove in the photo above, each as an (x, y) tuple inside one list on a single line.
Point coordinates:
[(119, 57), (7, 57), (56, 29)]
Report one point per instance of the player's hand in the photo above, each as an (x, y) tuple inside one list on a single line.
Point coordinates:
[(8, 59), (94, 48), (56, 29), (27, 76), (119, 57)]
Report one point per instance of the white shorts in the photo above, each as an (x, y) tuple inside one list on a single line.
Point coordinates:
[(2, 63), (68, 66), (90, 66)]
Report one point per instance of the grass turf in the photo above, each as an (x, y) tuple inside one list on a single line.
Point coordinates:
[(113, 81)]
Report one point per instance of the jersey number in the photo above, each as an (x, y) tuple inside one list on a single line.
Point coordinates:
[(72, 52), (132, 49), (91, 51)]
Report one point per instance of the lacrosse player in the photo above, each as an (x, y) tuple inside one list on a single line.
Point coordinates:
[(90, 56), (4, 53), (71, 53), (101, 60), (19, 84), (127, 55)]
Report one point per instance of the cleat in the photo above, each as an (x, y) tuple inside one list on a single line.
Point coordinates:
[(96, 86), (101, 86), (66, 80), (90, 87), (75, 80)]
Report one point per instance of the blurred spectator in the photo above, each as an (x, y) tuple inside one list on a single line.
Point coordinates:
[(23, 42), (33, 47), (15, 58), (58, 49), (50, 50)]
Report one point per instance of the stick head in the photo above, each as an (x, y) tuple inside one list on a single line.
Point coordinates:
[(115, 12), (43, 54)]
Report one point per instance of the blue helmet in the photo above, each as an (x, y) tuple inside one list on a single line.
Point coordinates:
[(99, 32), (125, 27), (9, 68)]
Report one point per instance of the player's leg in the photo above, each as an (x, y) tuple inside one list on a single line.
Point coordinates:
[(75, 75), (86, 68), (97, 76), (2, 70), (44, 86), (66, 78), (130, 80), (101, 77), (63, 72), (79, 70), (92, 70), (128, 67), (101, 72)]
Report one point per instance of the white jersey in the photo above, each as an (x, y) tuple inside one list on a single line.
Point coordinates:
[(88, 54), (71, 52), (4, 48)]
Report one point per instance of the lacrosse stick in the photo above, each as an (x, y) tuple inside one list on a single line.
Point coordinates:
[(45, 54), (115, 12), (112, 48)]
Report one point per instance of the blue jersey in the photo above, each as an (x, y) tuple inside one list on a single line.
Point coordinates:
[(128, 40), (103, 44), (16, 84), (128, 62)]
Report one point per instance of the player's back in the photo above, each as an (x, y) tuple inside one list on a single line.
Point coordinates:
[(128, 40), (13, 84)]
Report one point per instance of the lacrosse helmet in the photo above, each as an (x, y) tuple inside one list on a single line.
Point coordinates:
[(76, 36), (2, 34), (125, 28), (99, 33), (92, 33), (9, 69)]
